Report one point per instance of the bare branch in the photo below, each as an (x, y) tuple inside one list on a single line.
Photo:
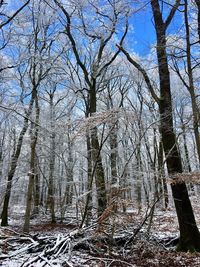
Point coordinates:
[(143, 72), (172, 13), (73, 43), (14, 15)]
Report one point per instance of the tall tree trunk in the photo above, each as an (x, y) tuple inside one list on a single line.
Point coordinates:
[(87, 215), (2, 142), (33, 170), (36, 194), (189, 233), (99, 172), (96, 154), (51, 189), (191, 87), (14, 161), (114, 152), (187, 158), (69, 187)]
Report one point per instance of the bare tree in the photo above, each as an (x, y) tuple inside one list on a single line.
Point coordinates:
[(33, 169), (98, 65), (189, 234), (185, 57), (14, 160)]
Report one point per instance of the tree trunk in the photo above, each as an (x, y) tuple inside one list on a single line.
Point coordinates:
[(14, 160), (191, 87), (114, 152), (87, 215), (161, 172), (69, 187), (99, 172), (186, 152), (96, 154), (33, 170), (51, 201), (189, 233), (36, 194), (2, 142)]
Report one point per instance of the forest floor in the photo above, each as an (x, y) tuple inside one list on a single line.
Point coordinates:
[(124, 239)]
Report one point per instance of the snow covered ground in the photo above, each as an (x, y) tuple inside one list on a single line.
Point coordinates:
[(62, 244)]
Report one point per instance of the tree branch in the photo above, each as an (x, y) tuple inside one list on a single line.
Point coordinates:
[(143, 72), (73, 43), (117, 53), (14, 15), (172, 13)]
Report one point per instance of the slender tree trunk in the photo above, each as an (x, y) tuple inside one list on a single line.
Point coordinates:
[(13, 165), (51, 189), (2, 142), (189, 233), (36, 194), (114, 183), (33, 170), (191, 87), (139, 173), (187, 158), (114, 152), (69, 188), (87, 215)]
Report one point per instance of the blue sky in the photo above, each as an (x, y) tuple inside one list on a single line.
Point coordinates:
[(141, 39), (144, 36)]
